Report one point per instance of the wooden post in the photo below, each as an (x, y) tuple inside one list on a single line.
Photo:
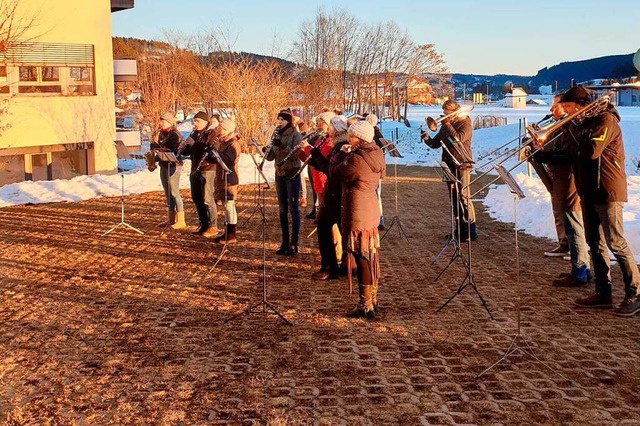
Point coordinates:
[(28, 167), (49, 166)]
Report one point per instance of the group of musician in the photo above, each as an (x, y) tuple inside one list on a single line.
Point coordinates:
[(585, 162)]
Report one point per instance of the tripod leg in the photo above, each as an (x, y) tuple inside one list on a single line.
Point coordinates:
[(447, 241), (247, 310), (133, 228), (222, 253)]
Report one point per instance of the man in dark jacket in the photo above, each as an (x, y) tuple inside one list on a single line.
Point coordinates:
[(455, 139), (598, 164), (203, 170)]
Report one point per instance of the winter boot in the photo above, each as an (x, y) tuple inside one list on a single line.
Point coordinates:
[(364, 309), (222, 238), (312, 213), (210, 232), (374, 297), (171, 219), (474, 231), (179, 223), (231, 234)]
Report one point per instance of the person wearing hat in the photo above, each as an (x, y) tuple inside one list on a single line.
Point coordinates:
[(360, 171), (202, 177), (598, 162), (226, 184), (455, 134), (303, 129), (286, 139), (330, 207), (168, 138), (377, 138)]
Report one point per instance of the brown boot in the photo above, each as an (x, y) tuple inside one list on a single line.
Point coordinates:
[(365, 305), (179, 223), (374, 297), (171, 219), (210, 232)]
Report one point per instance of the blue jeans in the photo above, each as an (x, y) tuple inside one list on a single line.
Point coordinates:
[(288, 191), (574, 230), (603, 227), (170, 179)]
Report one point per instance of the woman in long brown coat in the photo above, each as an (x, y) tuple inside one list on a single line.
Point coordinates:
[(360, 172), (226, 185)]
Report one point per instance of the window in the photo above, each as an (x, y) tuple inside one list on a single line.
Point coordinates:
[(28, 73), (81, 81), (4, 86), (50, 74), (634, 99), (80, 74)]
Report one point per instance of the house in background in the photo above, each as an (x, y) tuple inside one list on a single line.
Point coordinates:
[(516, 98), (58, 88)]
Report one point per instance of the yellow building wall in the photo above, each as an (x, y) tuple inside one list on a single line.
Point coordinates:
[(51, 120)]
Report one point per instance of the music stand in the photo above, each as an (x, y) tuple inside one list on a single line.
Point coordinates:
[(263, 306), (227, 171), (258, 207), (452, 238), (393, 151), (525, 347), (123, 154)]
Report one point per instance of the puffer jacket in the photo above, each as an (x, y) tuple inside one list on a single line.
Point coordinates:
[(168, 140), (330, 209), (360, 171)]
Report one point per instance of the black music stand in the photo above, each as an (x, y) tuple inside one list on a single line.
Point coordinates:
[(258, 194), (393, 151), (469, 279), (263, 306), (227, 171), (514, 347), (123, 154), (453, 237), (170, 158)]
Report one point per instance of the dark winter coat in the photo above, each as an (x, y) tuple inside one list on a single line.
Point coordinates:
[(203, 142), (360, 171), (458, 130), (283, 144), (598, 159), (168, 140), (330, 209), (229, 151)]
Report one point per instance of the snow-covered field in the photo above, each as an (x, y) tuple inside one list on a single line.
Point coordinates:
[(534, 212)]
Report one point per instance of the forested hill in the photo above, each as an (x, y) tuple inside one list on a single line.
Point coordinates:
[(614, 66)]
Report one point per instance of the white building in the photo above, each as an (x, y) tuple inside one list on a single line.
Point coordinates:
[(517, 98)]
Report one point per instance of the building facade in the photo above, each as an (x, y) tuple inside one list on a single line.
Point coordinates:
[(56, 88)]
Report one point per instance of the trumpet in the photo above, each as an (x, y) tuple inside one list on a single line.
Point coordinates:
[(269, 147), (432, 124)]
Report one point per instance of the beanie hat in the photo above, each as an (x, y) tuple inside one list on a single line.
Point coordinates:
[(296, 113), (451, 105), (169, 117), (372, 119), (339, 123), (201, 115), (577, 94), (227, 126), (363, 130), (326, 116), (286, 115)]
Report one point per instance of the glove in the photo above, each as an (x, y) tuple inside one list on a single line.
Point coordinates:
[(346, 148), (189, 141), (424, 135), (264, 149)]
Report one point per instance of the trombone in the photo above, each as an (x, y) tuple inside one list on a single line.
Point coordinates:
[(432, 124)]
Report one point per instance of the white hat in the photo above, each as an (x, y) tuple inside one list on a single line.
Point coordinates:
[(326, 116), (227, 126), (339, 123), (372, 118), (363, 130)]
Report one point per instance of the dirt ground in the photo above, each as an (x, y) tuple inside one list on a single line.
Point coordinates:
[(129, 329)]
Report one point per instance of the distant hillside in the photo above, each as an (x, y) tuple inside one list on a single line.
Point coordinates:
[(615, 66)]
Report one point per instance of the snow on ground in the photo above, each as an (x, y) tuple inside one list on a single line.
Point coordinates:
[(534, 212)]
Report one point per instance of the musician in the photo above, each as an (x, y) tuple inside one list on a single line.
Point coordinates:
[(227, 192), (566, 204), (285, 139), (168, 138), (360, 171), (598, 158), (303, 129), (377, 138), (457, 128), (203, 169), (330, 207)]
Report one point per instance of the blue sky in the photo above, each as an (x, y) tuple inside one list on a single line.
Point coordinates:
[(480, 37)]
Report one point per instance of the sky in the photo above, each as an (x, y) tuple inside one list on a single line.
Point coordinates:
[(475, 37)]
